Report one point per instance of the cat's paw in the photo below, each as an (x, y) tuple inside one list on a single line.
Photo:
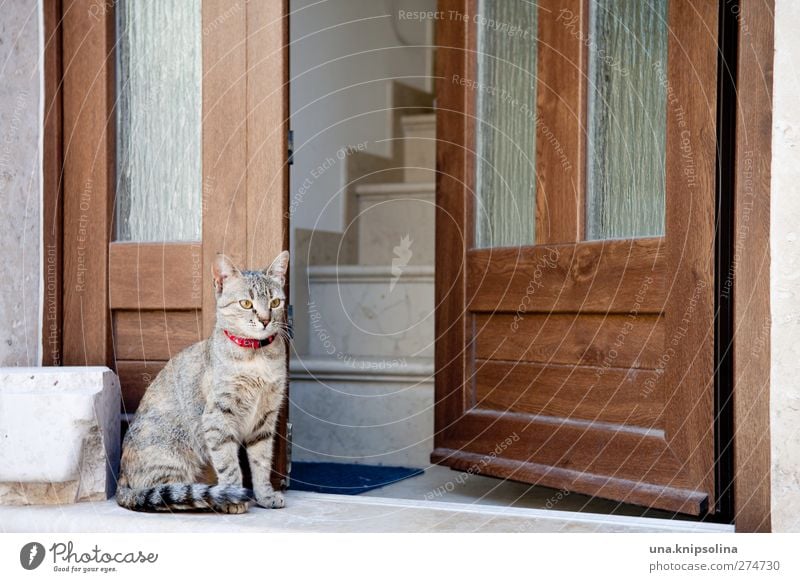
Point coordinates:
[(271, 500), (235, 508)]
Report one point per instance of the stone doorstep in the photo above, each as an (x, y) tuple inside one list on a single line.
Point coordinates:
[(59, 434), (319, 513)]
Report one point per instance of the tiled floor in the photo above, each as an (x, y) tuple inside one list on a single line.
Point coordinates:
[(314, 512), (445, 485)]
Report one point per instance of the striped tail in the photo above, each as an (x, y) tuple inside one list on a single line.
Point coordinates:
[(183, 497)]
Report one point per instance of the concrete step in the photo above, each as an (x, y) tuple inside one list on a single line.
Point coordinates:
[(419, 147), (358, 310), (396, 222), (362, 410)]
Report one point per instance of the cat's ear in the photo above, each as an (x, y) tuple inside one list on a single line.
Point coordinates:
[(279, 268), (221, 270)]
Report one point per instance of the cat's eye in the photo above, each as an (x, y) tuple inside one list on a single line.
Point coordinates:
[(246, 303), (275, 302)]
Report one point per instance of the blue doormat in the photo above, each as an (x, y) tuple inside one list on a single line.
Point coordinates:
[(344, 478)]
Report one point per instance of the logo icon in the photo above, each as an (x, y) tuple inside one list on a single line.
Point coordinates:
[(31, 555), (403, 254)]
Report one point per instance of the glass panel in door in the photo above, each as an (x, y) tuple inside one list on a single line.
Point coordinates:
[(626, 118), (505, 134), (159, 147)]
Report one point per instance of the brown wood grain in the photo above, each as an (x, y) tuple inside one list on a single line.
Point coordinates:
[(155, 335), (89, 145), (453, 208), (630, 465), (267, 185), (751, 293), (267, 131), (600, 276), (560, 127), (224, 142), (135, 377), (156, 275), (568, 391), (691, 201), (622, 341), (52, 194), (656, 278)]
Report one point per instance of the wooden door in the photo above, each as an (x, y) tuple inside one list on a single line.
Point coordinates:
[(563, 361), (151, 289)]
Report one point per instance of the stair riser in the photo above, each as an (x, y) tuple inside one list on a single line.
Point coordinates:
[(384, 221), (419, 148), (369, 317), (362, 422)]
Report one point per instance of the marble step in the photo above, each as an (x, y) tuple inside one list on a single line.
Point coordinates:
[(419, 147), (362, 410), (396, 221), (381, 311)]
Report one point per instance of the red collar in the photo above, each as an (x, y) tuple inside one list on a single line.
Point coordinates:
[(247, 342)]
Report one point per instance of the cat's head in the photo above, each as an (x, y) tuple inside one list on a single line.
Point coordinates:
[(251, 304)]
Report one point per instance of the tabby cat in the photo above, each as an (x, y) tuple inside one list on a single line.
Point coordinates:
[(211, 398)]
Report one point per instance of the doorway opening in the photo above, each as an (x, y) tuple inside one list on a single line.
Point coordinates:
[(363, 204)]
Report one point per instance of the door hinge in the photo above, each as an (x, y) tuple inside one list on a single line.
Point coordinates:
[(290, 145), (288, 479)]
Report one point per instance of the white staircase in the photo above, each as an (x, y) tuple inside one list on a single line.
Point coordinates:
[(363, 390)]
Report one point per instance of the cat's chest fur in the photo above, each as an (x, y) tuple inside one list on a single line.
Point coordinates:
[(257, 387)]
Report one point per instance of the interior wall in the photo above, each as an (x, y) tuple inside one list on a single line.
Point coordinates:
[(343, 55), (785, 271), (20, 183)]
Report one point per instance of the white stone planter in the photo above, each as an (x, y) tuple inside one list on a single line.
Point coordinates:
[(59, 434)]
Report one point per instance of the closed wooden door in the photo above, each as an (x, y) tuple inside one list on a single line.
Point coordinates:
[(195, 152), (575, 246)]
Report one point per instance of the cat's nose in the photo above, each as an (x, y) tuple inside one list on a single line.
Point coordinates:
[(264, 321)]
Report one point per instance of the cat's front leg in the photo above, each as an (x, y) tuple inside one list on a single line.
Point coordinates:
[(259, 453), (221, 436)]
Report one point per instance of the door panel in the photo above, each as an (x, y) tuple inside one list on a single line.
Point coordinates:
[(591, 360), (164, 168)]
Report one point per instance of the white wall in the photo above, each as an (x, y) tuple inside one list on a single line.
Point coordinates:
[(20, 182), (785, 271), (343, 55)]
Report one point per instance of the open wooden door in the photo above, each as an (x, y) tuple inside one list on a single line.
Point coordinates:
[(575, 246), (176, 117)]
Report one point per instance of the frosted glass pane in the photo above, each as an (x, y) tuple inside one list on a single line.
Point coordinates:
[(159, 73), (505, 140), (627, 118)]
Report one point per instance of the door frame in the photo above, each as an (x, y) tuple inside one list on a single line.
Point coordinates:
[(751, 234), (244, 47), (747, 281)]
